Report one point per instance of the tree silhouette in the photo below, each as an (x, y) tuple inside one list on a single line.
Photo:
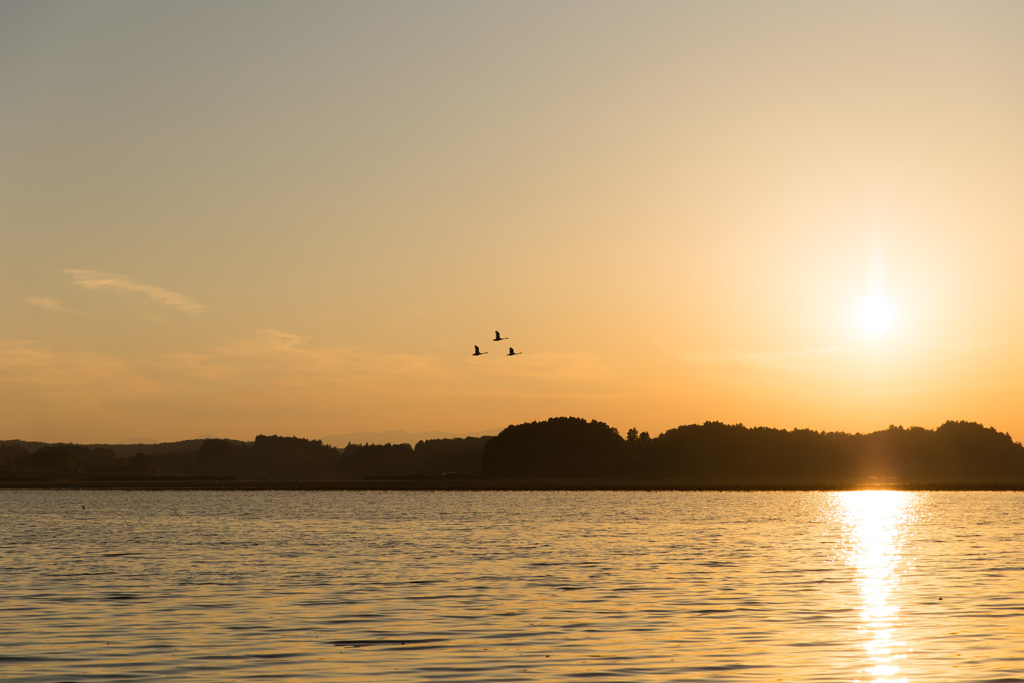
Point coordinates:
[(558, 447)]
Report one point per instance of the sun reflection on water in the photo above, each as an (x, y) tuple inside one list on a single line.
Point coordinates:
[(877, 525)]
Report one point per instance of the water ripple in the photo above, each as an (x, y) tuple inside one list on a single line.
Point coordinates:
[(514, 586)]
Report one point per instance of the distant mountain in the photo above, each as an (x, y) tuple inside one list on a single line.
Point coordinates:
[(395, 436), (121, 450)]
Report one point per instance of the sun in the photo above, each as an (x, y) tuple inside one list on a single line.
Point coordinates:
[(876, 315)]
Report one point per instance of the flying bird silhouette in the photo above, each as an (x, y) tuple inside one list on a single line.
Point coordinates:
[(498, 337), (477, 351), (511, 352)]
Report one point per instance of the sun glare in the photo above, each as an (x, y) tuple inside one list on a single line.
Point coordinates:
[(877, 525), (876, 315)]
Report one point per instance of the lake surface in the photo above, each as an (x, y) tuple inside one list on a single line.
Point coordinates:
[(511, 586)]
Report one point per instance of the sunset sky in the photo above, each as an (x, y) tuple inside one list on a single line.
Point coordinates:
[(231, 218)]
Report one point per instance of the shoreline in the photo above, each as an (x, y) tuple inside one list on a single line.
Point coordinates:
[(497, 485)]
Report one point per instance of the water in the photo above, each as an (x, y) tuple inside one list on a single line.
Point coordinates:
[(511, 586)]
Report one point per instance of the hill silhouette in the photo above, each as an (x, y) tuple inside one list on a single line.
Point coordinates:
[(560, 451)]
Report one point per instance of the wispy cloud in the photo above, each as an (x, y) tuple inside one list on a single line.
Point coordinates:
[(552, 366), (284, 359), (79, 373), (45, 302), (91, 279), (798, 360)]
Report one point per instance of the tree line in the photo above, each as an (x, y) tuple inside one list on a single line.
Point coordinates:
[(270, 458), (561, 449), (714, 453)]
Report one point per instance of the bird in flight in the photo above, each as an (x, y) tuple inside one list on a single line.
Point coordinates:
[(512, 352), (498, 337), (477, 351)]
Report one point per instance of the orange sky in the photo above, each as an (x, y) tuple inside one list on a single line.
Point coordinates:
[(298, 218)]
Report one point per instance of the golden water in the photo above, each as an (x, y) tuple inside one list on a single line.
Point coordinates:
[(511, 586)]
